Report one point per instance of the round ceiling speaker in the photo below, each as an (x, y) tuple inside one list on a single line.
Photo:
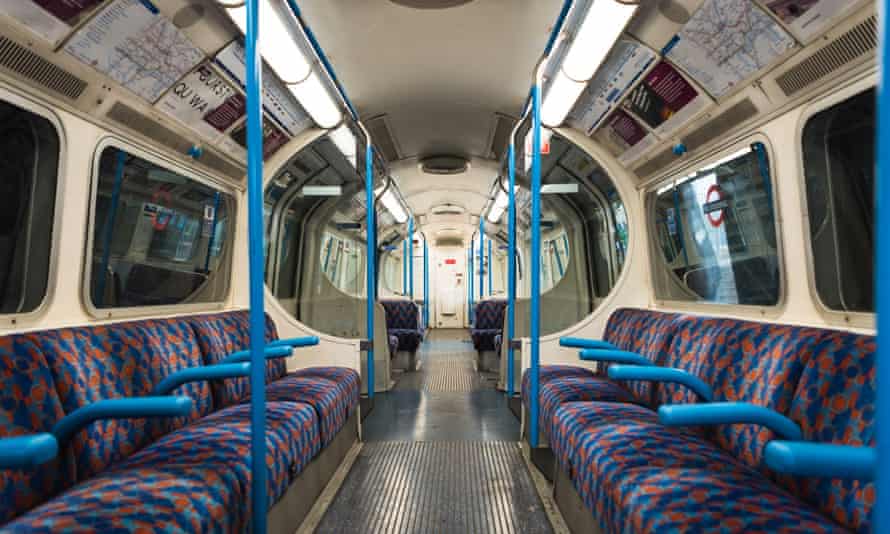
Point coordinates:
[(444, 165), (431, 4)]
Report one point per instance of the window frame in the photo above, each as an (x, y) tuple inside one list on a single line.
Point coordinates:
[(9, 95), (831, 316), (657, 257), (112, 141)]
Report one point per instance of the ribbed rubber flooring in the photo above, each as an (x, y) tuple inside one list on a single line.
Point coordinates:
[(437, 487)]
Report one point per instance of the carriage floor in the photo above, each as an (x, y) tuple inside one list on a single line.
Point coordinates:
[(441, 455)]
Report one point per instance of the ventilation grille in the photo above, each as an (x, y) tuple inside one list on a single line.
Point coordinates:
[(444, 165), (383, 138), (449, 242), (24, 62), (448, 209), (500, 136), (860, 40), (657, 163), (132, 119), (721, 124)]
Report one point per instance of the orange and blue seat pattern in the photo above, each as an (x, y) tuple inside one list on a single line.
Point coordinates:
[(186, 474), (403, 322)]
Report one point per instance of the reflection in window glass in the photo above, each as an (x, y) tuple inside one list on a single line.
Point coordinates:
[(29, 161), (158, 236), (341, 261), (839, 155), (716, 231)]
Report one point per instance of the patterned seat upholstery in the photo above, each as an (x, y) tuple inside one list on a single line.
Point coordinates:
[(636, 475), (334, 402), (488, 322), (403, 322), (645, 332)]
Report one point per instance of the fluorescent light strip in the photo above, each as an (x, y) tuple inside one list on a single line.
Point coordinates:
[(322, 190), (345, 141), (559, 189), (317, 101), (392, 204)]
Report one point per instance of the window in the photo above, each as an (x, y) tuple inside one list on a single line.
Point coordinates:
[(29, 162), (839, 170), (158, 236), (716, 233)]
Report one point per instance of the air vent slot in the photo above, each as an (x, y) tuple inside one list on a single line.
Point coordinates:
[(860, 40), (444, 165), (500, 136), (658, 162), (721, 124), (24, 62), (384, 140), (132, 119), (449, 242), (448, 209)]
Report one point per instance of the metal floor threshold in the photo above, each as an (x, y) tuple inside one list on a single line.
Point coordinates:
[(438, 487)]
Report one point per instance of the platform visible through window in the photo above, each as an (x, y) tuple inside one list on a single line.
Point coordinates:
[(29, 163), (159, 236), (716, 233)]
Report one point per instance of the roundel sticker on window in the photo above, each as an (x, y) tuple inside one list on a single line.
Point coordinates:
[(715, 206)]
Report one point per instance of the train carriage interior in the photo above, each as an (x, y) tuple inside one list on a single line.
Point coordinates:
[(445, 266)]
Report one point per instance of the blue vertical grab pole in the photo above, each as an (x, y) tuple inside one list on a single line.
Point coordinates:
[(411, 257), (882, 283), (253, 60), (405, 267), (371, 237), (490, 270), (470, 283), (481, 257), (511, 265), (426, 283), (535, 315), (99, 297)]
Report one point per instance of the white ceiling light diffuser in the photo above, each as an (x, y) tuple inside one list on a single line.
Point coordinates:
[(280, 50), (345, 141), (603, 24), (392, 204)]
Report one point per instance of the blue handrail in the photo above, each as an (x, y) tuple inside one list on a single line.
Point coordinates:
[(481, 257), (470, 277), (426, 284), (511, 269), (411, 257), (405, 267), (271, 352), (24, 452), (829, 460), (200, 374), (613, 356), (490, 270), (128, 408), (535, 319), (371, 238), (882, 282), (652, 373), (729, 413), (256, 247), (584, 343), (296, 342)]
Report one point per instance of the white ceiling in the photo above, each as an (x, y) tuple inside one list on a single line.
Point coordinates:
[(439, 75)]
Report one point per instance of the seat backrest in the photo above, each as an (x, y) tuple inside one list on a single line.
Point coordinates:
[(645, 332), (221, 334), (29, 403), (489, 314), (401, 314), (834, 402), (129, 359)]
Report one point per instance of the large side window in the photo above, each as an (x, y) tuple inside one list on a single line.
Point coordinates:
[(839, 156), (29, 163), (716, 233), (159, 236)]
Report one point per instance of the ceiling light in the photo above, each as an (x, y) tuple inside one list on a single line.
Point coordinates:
[(560, 99), (322, 190), (603, 24), (277, 43), (392, 204), (345, 141), (500, 204), (559, 189), (316, 100)]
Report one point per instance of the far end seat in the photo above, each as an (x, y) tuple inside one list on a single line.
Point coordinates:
[(403, 321), (488, 324)]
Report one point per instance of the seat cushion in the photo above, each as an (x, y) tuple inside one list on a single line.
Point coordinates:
[(221, 334), (29, 403), (484, 339), (409, 340), (332, 404), (346, 379), (547, 373), (636, 475), (577, 388)]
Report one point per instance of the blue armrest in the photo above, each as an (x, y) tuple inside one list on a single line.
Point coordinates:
[(27, 451), (654, 373), (614, 356), (198, 374), (131, 408), (822, 459), (295, 342), (729, 413), (581, 343), (272, 353)]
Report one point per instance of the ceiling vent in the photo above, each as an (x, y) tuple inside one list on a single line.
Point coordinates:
[(721, 124), (384, 140), (500, 136), (132, 119), (444, 165), (448, 209), (858, 41), (449, 242), (660, 161), (24, 62), (431, 4)]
